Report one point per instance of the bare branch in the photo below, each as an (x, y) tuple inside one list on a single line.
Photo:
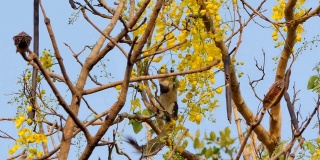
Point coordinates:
[(104, 34)]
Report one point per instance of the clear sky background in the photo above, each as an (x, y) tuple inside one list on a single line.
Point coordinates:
[(17, 16)]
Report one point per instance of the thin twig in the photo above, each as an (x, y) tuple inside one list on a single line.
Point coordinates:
[(77, 59), (105, 35), (252, 126)]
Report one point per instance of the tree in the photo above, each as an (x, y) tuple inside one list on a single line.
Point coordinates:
[(198, 39)]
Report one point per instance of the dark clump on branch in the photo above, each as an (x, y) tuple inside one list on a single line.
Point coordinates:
[(274, 94), (22, 41)]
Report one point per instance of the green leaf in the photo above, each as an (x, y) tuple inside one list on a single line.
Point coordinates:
[(146, 112), (227, 131), (197, 133), (212, 136), (311, 148), (136, 126), (311, 81), (196, 143), (203, 151), (216, 150), (208, 153)]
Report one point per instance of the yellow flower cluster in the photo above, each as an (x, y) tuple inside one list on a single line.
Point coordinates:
[(195, 114), (316, 153), (27, 137), (278, 14), (46, 59), (34, 153), (300, 31), (135, 103), (19, 120), (278, 10), (316, 156), (199, 49), (28, 76)]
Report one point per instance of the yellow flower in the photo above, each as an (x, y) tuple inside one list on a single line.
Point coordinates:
[(194, 83), (195, 115), (19, 120), (29, 121), (14, 149), (39, 153), (234, 2), (274, 33), (44, 138), (40, 138), (158, 59), (210, 58), (22, 140), (30, 139), (32, 150), (24, 132), (184, 100), (219, 90), (135, 103), (141, 86), (189, 95), (202, 12), (275, 38), (173, 122), (118, 87), (218, 18), (29, 108), (198, 118), (298, 38), (300, 29), (162, 71), (46, 59)]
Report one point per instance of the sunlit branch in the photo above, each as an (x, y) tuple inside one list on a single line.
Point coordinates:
[(56, 50), (113, 84), (239, 130), (312, 13)]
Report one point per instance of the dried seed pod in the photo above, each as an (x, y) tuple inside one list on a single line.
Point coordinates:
[(22, 42), (274, 94)]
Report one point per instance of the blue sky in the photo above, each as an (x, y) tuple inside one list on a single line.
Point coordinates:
[(16, 16)]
